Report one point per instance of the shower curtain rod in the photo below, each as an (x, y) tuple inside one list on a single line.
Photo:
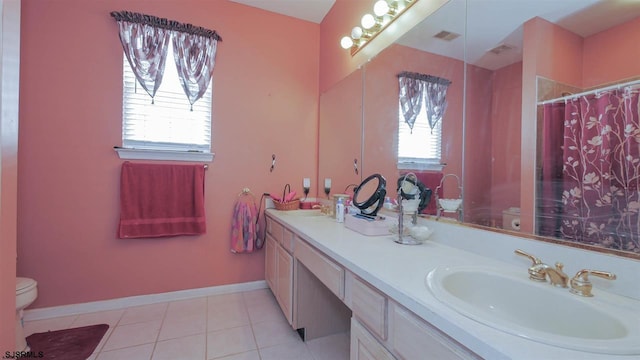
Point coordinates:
[(617, 86)]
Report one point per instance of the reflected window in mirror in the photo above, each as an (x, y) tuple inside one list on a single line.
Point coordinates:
[(420, 148), (422, 101)]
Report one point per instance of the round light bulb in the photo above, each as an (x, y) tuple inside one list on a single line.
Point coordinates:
[(368, 21), (346, 42), (380, 8), (356, 33)]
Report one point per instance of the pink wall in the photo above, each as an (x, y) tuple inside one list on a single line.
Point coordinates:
[(265, 102), (612, 55), (381, 110), (9, 66)]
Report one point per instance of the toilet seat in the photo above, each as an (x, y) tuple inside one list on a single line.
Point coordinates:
[(24, 285)]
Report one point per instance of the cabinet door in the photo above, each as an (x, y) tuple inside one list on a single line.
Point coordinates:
[(284, 282), (270, 263), (364, 346)]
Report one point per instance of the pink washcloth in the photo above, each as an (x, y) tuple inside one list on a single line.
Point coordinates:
[(244, 228)]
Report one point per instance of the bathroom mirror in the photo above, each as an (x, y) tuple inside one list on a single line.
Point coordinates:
[(340, 135), (500, 151)]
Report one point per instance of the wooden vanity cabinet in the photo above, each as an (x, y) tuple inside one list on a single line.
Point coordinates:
[(321, 296), (279, 267)]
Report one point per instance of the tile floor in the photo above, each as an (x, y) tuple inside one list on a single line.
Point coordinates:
[(239, 326)]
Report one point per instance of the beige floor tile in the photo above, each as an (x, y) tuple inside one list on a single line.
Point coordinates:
[(133, 334), (186, 325), (141, 352), (185, 348), (271, 333), (258, 297), (229, 342), (226, 315), (111, 318), (235, 298), (264, 311), (333, 347), (292, 351), (38, 326), (186, 307), (144, 313), (250, 355)]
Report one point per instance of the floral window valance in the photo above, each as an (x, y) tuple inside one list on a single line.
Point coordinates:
[(416, 88), (145, 40)]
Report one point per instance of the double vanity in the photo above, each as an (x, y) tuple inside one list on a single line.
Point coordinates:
[(463, 294)]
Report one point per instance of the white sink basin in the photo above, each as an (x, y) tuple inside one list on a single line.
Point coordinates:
[(538, 311)]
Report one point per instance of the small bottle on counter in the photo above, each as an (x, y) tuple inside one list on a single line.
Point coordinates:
[(340, 211), (387, 203)]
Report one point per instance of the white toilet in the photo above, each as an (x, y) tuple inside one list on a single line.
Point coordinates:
[(26, 293)]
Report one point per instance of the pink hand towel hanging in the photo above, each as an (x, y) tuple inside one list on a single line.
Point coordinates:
[(159, 200)]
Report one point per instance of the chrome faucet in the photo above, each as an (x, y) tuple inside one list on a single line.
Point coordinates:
[(539, 271)]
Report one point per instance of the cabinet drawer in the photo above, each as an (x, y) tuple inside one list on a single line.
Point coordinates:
[(411, 337), (328, 272), (275, 229), (287, 240), (370, 307)]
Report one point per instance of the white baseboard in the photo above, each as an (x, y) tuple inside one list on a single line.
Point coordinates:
[(120, 303)]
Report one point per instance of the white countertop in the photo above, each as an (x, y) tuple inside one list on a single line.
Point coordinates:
[(400, 270)]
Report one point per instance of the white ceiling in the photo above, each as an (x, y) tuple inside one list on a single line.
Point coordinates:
[(489, 23)]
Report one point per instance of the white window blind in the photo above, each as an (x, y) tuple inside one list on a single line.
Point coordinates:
[(168, 123), (419, 148)]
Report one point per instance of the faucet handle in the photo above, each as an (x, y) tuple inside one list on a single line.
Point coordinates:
[(581, 285), (535, 271), (534, 259)]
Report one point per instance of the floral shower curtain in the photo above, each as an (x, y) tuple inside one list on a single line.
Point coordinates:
[(595, 199)]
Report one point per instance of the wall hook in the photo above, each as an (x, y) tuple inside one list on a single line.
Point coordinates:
[(273, 162), (355, 166)]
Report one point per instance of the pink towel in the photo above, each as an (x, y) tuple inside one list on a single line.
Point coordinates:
[(244, 227), (159, 200)]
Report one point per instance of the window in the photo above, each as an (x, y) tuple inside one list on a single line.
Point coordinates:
[(420, 149), (167, 128)]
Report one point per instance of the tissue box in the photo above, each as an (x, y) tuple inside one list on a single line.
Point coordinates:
[(368, 227)]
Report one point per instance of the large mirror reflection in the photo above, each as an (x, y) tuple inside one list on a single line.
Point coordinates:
[(509, 63)]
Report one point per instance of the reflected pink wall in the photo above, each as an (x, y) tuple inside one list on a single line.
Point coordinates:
[(340, 132), (265, 101), (381, 110), (336, 62), (612, 55), (477, 147), (505, 148)]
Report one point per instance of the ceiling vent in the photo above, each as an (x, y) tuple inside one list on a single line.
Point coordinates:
[(446, 35), (501, 48)]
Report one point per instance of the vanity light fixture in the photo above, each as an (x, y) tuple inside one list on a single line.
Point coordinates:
[(384, 13)]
